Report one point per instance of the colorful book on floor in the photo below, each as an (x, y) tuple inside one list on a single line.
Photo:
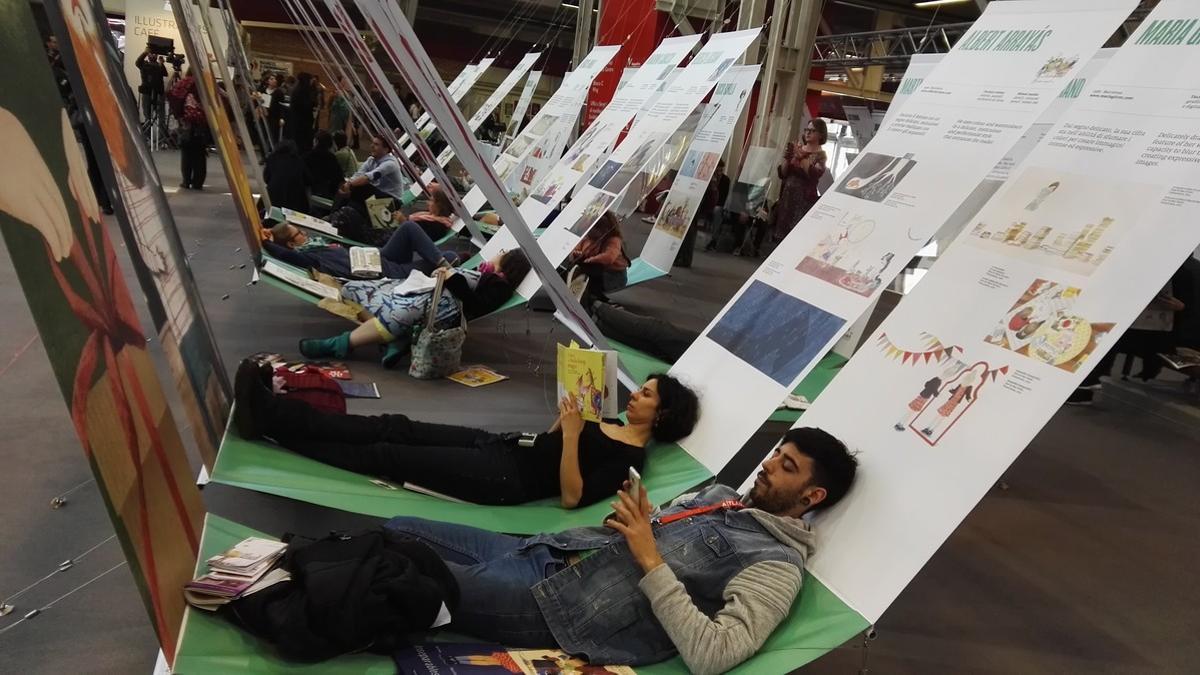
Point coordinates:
[(359, 389), (590, 376), (482, 659), (477, 376)]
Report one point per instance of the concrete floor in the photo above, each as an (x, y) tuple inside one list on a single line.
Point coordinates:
[(1083, 565)]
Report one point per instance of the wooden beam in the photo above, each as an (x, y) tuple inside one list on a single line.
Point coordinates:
[(847, 90)]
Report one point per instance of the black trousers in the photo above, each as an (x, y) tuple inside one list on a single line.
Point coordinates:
[(649, 334), (193, 159), (470, 464)]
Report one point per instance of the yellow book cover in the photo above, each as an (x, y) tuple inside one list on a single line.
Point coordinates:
[(581, 375)]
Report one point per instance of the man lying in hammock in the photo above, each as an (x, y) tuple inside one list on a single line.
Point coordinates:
[(708, 578), (407, 249)]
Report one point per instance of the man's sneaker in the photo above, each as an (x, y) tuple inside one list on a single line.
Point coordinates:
[(1081, 397)]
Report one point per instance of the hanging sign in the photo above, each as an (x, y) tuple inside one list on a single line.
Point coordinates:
[(540, 144), (599, 137), (523, 101), (482, 113), (1050, 273), (699, 165), (997, 81), (459, 88), (651, 130)]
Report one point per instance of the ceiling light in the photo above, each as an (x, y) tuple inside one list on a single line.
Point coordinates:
[(938, 3)]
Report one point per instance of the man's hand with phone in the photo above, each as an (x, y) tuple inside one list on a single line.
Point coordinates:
[(631, 517)]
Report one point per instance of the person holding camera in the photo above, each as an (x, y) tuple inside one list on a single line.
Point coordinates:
[(154, 73)]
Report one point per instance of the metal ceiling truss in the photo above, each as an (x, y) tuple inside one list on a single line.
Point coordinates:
[(892, 47)]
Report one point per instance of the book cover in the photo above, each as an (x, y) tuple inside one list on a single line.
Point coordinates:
[(359, 389), (582, 374), (554, 662), (477, 376), (454, 659)]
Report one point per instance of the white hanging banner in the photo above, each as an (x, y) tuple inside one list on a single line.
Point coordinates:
[(523, 101), (651, 130), (484, 110), (699, 164), (862, 123), (599, 137), (460, 87), (519, 178), (375, 71), (1000, 77), (557, 116), (939, 403)]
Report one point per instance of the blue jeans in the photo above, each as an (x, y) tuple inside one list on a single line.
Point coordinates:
[(494, 575), (409, 240)]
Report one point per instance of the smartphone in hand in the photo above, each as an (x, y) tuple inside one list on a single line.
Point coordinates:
[(635, 485)]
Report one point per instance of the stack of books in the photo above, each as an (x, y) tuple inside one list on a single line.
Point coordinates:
[(238, 572)]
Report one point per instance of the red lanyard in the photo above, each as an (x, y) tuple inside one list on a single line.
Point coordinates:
[(730, 504)]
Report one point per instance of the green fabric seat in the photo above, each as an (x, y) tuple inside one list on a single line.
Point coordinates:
[(265, 467), (640, 272), (209, 644)]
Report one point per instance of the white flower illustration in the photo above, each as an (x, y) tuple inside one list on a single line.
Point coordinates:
[(27, 188)]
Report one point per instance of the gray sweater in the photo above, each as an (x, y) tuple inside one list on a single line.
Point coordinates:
[(756, 601)]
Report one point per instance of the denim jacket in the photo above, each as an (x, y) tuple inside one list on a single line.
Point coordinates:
[(596, 608)]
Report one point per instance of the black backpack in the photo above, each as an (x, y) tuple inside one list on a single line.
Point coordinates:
[(349, 593)]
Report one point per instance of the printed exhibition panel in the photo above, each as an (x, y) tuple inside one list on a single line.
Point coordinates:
[(222, 131), (404, 49), (87, 318), (539, 145), (523, 102), (862, 123), (623, 169), (147, 226), (506, 85), (594, 143), (967, 114), (698, 167), (1053, 269)]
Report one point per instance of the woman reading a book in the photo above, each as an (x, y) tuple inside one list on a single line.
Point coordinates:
[(407, 248), (390, 312), (579, 462)]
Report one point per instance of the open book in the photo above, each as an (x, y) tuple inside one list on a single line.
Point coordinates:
[(365, 262), (590, 376)]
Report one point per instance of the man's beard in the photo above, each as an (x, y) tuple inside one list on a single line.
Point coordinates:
[(764, 499)]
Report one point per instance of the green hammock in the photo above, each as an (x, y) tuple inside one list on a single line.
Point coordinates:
[(641, 366), (208, 644), (265, 467)]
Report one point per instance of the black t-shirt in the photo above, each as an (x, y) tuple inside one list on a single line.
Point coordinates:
[(603, 462)]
